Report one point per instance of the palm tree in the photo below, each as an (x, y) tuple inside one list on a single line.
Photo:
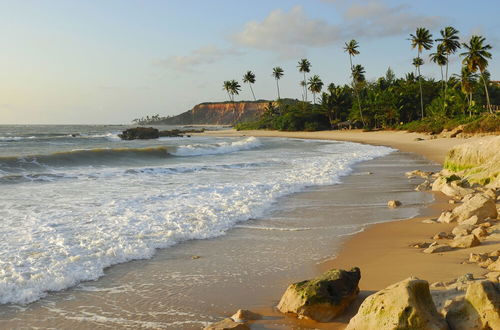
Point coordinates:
[(467, 80), (315, 85), (304, 67), (232, 87), (249, 78), (450, 43), (351, 48), (476, 58), (439, 57), (417, 62), (303, 84), (358, 73), (422, 39), (277, 74)]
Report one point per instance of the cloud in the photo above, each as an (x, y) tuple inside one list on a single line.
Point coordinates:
[(287, 32), (291, 33), (204, 55)]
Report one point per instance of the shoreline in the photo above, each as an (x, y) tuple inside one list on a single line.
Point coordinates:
[(382, 251)]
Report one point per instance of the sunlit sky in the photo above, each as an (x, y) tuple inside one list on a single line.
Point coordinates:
[(105, 62)]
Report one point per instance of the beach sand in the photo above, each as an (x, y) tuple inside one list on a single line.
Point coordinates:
[(383, 251)]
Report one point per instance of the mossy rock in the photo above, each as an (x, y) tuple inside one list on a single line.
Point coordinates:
[(322, 298)]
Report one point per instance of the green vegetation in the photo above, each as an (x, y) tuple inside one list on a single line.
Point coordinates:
[(413, 102)]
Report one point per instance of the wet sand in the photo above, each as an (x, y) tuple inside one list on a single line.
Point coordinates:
[(249, 267)]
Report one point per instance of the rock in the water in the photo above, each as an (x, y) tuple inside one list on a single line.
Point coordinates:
[(479, 310), (393, 203), (404, 305), (438, 248), (140, 133), (465, 241), (323, 298), (243, 315), (227, 324)]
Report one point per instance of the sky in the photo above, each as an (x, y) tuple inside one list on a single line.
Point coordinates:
[(110, 61)]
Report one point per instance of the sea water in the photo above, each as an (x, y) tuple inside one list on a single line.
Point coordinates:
[(75, 200)]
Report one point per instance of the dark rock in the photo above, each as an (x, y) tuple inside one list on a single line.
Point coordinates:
[(140, 133)]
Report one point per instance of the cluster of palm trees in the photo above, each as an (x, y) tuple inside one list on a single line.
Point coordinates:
[(475, 58)]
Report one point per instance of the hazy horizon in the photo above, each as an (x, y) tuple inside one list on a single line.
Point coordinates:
[(92, 62)]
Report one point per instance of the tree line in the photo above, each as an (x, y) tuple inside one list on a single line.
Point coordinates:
[(387, 101)]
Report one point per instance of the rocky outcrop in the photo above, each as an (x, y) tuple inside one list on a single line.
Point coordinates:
[(222, 113), (479, 310), (323, 298), (140, 133), (404, 305), (478, 205), (464, 242), (227, 324)]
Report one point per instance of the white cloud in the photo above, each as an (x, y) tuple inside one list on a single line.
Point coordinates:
[(204, 55), (290, 33), (287, 32)]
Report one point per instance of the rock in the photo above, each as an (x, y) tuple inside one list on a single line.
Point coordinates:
[(195, 257), (493, 276), (404, 305), (446, 217), (323, 298), (171, 133), (393, 203), (418, 173), (438, 248), (480, 308), (450, 186), (429, 221), (462, 230), (465, 278), (418, 139), (451, 201), (477, 257), (140, 133), (465, 241), (479, 205), (243, 315), (473, 221), (495, 253), (441, 235), (421, 245), (227, 324), (495, 266), (480, 232), (426, 185)]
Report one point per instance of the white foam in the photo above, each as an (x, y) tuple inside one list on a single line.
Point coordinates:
[(216, 149), (58, 234)]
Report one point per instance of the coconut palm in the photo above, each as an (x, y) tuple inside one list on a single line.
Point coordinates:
[(232, 87), (303, 84), (358, 74), (351, 48), (304, 66), (476, 58), (467, 80), (439, 57), (422, 39), (417, 62), (249, 78), (450, 43), (277, 74), (315, 85)]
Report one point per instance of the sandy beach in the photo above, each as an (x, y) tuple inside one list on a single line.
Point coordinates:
[(383, 251)]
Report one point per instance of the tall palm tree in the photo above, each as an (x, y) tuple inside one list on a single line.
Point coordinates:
[(358, 73), (422, 39), (232, 87), (303, 84), (277, 74), (439, 57), (304, 66), (249, 78), (417, 62), (450, 43), (467, 80), (351, 48), (476, 58), (315, 85)]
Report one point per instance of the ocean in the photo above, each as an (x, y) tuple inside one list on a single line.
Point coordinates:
[(76, 199)]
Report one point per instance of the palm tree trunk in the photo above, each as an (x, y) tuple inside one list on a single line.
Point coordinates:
[(252, 92), (446, 77), (488, 105), (305, 86), (444, 88), (278, 87), (356, 93), (421, 94)]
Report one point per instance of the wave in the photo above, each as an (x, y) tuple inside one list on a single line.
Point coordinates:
[(16, 138), (218, 148)]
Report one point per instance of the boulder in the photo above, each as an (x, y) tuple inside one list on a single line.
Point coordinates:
[(323, 298), (465, 241), (462, 230), (393, 203), (438, 248), (480, 308), (493, 276), (243, 315), (446, 217), (418, 173), (227, 324), (405, 305), (473, 221), (429, 221), (479, 232), (479, 205), (442, 235), (450, 186), (140, 133), (495, 266), (426, 185)]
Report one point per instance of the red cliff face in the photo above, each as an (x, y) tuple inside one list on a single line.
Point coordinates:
[(220, 113)]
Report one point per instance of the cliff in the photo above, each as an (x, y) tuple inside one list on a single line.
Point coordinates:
[(224, 113)]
